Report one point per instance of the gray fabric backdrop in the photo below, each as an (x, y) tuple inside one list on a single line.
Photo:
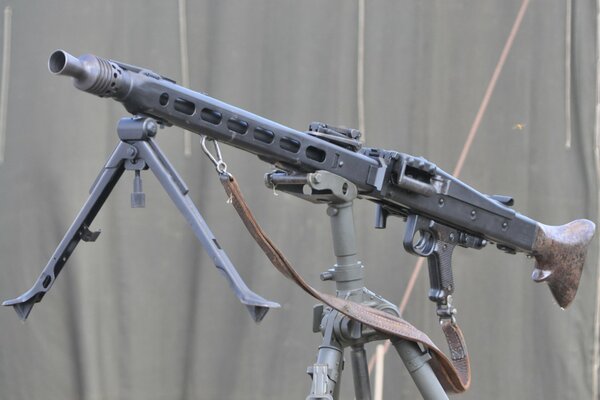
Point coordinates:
[(142, 313)]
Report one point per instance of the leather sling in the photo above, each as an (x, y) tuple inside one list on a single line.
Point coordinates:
[(454, 373)]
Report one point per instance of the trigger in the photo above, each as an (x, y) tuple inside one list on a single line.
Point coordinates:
[(418, 239), (425, 243)]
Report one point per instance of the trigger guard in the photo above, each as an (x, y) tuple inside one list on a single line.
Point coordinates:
[(425, 244)]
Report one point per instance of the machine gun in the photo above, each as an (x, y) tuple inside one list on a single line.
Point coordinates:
[(444, 210), (441, 212)]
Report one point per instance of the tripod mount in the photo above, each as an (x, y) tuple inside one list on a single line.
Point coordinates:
[(340, 331)]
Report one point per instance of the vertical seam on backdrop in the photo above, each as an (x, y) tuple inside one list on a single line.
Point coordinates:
[(185, 71), (568, 22), (378, 387), (360, 107), (5, 79), (596, 345), (360, 69)]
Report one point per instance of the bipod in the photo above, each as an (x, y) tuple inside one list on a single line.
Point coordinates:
[(339, 331), (138, 151)]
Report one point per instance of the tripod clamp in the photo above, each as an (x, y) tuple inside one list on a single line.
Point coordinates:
[(138, 151)]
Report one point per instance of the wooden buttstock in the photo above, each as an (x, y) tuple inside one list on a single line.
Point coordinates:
[(559, 253)]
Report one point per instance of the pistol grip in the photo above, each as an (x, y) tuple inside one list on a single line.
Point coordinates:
[(426, 238), (441, 279)]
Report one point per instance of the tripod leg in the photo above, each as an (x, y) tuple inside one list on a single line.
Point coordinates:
[(178, 192), (79, 230), (326, 372), (360, 369), (416, 362)]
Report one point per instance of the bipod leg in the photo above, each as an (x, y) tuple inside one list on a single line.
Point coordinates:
[(79, 230), (416, 361), (177, 190)]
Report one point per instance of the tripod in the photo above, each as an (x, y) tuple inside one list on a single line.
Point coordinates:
[(338, 330)]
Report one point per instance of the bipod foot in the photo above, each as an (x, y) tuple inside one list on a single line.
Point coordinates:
[(258, 307), (24, 303)]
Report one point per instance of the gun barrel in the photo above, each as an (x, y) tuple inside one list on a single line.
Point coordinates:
[(63, 63)]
